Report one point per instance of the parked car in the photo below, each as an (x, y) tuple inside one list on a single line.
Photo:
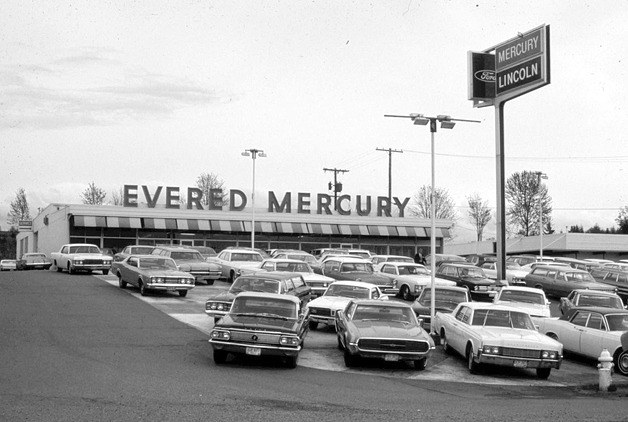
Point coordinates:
[(616, 266), (586, 297), (150, 272), (126, 252), (446, 298), (514, 273), (439, 258), (205, 251), (579, 264), (471, 277), (236, 262), (587, 331), (300, 255), (290, 284), (532, 265), (499, 335), (33, 261), (527, 299), (479, 259), (261, 324), (378, 259), (384, 330), (357, 269), (360, 253), (613, 277), (8, 265), (317, 282), (559, 281), (322, 310), (75, 257), (190, 261), (524, 260), (320, 252), (410, 279)]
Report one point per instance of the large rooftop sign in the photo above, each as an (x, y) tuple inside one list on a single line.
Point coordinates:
[(301, 203)]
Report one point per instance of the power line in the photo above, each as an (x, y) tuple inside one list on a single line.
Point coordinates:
[(614, 158), (390, 151)]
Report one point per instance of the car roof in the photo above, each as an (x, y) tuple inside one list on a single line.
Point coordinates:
[(561, 268), (242, 250), (595, 292), (397, 263), (604, 311), (445, 287), (291, 261), (176, 248), (348, 258), (458, 264), (353, 283), (385, 303), (278, 296), (524, 289), (489, 305)]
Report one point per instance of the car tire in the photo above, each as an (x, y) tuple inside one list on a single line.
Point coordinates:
[(183, 293), (231, 277), (105, 272), (313, 325), (471, 364), (59, 269), (220, 356), (143, 289), (405, 293), (70, 269), (621, 362), (210, 282), (350, 360), (291, 361), (121, 283), (420, 364), (552, 336), (443, 339), (216, 319), (543, 373), (339, 343)]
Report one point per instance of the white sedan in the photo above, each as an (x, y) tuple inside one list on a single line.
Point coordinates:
[(485, 333), (8, 265), (409, 279), (528, 299), (515, 274)]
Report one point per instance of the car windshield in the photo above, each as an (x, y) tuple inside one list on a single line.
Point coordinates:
[(264, 307), (473, 272), (448, 299), (580, 277), (84, 249), (599, 300), (412, 269), (364, 255), (384, 313), (351, 267), (347, 291), (522, 296), (301, 257), (254, 284), (502, 318), (157, 263), (617, 322), (187, 256), (253, 257), (34, 255), (142, 250), (295, 267)]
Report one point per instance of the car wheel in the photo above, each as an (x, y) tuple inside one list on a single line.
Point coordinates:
[(543, 373), (313, 325), (121, 282), (291, 361), (105, 272), (405, 293), (183, 293), (420, 364), (210, 282), (552, 336), (339, 343), (220, 356), (216, 319), (231, 276), (621, 362), (444, 342), (59, 269), (350, 360), (471, 364), (143, 289), (70, 269)]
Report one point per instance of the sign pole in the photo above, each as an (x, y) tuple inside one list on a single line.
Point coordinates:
[(500, 213)]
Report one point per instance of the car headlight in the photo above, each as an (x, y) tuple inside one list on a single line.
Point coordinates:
[(476, 288), (289, 341), (549, 354), (221, 335), (491, 350), (78, 262)]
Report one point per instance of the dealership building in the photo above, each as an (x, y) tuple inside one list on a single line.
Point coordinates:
[(299, 221)]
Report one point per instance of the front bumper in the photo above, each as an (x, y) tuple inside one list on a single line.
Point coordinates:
[(204, 275), (518, 362), (215, 314), (265, 350), (91, 267)]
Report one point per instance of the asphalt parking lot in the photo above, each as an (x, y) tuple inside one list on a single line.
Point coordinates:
[(321, 352)]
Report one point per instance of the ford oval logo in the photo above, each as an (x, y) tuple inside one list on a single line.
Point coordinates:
[(254, 337), (485, 75)]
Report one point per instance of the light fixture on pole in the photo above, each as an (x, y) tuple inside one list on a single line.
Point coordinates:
[(253, 153), (446, 122), (540, 175)]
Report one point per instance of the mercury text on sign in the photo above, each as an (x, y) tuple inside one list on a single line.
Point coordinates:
[(519, 49)]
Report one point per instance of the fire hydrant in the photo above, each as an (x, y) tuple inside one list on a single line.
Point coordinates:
[(604, 369)]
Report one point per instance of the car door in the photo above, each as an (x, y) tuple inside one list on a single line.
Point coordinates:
[(570, 336), (331, 268), (129, 270), (301, 290), (455, 332), (593, 335)]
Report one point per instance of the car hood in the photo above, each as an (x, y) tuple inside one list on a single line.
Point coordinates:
[(313, 277), (329, 302), (222, 297), (533, 309), (426, 279), (92, 256), (426, 310), (518, 338), (166, 273), (389, 329), (259, 323), (36, 260), (196, 265), (480, 281)]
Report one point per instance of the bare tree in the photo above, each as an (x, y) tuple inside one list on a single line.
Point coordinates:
[(19, 208), (479, 214), (444, 205), (93, 195), (117, 197), (208, 181), (523, 192)]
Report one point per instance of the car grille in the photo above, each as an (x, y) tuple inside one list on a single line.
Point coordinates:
[(320, 312), (255, 337), (521, 353), (92, 262), (393, 345)]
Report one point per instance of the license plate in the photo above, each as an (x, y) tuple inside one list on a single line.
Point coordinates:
[(254, 351), (521, 364), (391, 358)]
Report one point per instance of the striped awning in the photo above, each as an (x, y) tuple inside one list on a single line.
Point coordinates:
[(353, 230), (160, 223), (193, 224), (437, 233), (318, 228), (411, 231), (227, 226), (298, 228), (260, 226), (89, 221), (383, 231), (124, 222)]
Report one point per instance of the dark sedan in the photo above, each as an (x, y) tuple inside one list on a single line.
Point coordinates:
[(150, 272), (33, 261), (472, 278), (358, 269)]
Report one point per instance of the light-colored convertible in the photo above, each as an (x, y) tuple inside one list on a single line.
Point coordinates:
[(498, 335)]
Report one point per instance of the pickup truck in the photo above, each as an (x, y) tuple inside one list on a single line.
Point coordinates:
[(76, 257)]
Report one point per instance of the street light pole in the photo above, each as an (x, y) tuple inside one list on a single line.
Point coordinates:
[(540, 175), (253, 153), (446, 122)]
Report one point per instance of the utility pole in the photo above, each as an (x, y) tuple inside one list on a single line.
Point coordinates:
[(390, 151), (337, 187)]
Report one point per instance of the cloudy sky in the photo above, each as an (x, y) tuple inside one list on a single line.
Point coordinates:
[(157, 92)]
